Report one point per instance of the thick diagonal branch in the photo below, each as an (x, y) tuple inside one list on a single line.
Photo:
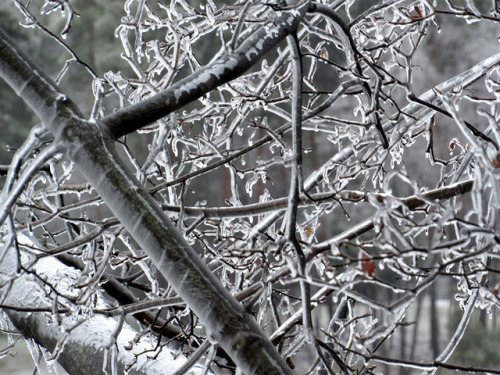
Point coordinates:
[(92, 150)]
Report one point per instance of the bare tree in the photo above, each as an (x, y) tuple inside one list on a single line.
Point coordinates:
[(265, 186)]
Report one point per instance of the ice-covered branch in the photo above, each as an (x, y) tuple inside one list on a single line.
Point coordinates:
[(229, 66), (8, 198), (82, 341), (295, 184), (411, 202), (415, 113), (92, 150), (367, 225)]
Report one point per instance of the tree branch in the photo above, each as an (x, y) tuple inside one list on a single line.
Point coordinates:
[(296, 182), (82, 348), (225, 319), (228, 67)]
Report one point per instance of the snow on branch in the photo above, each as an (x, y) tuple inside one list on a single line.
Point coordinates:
[(82, 343)]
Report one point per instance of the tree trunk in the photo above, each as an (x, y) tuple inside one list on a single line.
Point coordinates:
[(434, 320)]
